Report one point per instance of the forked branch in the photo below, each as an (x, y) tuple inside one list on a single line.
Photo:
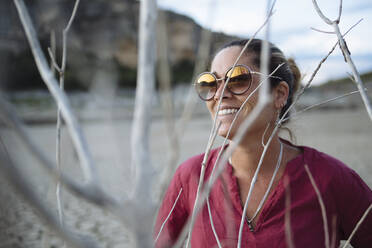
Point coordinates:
[(346, 54), (60, 97)]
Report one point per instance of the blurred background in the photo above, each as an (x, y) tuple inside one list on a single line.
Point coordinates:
[(100, 82)]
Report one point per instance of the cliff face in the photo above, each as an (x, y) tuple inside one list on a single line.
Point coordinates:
[(103, 38)]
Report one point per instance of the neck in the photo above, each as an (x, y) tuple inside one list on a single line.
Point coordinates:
[(247, 155)]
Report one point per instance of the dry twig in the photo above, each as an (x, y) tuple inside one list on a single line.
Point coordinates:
[(357, 226), (322, 206), (346, 54), (287, 216), (60, 97)]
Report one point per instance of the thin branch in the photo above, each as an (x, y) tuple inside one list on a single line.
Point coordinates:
[(319, 104), (264, 97), (322, 206), (317, 69), (201, 180), (73, 14), (212, 225), (53, 60), (339, 12), (353, 26), (354, 70), (357, 226), (47, 76), (287, 216), (322, 31), (326, 57), (52, 49), (64, 35), (61, 71), (320, 13), (346, 54), (168, 216)]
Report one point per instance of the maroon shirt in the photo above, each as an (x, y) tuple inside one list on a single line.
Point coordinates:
[(345, 195)]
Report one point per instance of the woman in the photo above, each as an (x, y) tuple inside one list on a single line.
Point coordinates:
[(346, 197)]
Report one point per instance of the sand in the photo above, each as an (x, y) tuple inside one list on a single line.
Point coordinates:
[(345, 134)]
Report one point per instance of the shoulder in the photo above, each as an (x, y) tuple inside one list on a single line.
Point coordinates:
[(325, 165), (334, 176)]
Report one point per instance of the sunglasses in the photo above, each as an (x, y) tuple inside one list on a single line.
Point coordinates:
[(240, 81), (206, 84)]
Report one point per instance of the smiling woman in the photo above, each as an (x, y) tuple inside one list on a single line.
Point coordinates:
[(302, 171)]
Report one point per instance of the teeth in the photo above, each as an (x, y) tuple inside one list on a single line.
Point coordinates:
[(227, 111)]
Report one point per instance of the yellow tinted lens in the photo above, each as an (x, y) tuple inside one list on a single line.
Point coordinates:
[(206, 78), (237, 71)]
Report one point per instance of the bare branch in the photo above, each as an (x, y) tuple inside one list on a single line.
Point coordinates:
[(297, 97), (168, 216), (64, 35), (339, 12), (201, 180), (319, 104), (52, 49), (212, 225), (72, 16), (322, 31), (346, 54), (320, 13), (357, 226), (287, 216), (354, 70), (47, 76), (322, 207), (52, 58), (353, 26)]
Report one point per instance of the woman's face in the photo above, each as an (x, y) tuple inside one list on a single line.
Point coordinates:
[(222, 62)]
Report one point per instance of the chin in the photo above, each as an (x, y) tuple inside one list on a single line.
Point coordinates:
[(223, 133)]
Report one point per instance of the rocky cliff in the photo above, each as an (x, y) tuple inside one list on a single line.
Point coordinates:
[(103, 39)]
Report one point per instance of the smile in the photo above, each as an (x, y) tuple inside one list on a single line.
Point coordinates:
[(227, 111)]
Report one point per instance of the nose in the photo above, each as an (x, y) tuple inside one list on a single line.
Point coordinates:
[(220, 85)]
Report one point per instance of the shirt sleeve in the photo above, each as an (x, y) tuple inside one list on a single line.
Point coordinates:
[(172, 213), (353, 199)]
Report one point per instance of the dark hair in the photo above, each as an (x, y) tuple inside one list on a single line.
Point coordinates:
[(288, 72)]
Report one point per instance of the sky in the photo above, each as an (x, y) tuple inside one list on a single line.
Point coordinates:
[(290, 29)]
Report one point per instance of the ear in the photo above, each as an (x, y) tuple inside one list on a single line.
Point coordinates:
[(280, 95)]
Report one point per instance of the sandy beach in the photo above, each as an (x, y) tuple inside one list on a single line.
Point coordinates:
[(344, 133)]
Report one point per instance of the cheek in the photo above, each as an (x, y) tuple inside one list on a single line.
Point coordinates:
[(251, 103), (247, 108)]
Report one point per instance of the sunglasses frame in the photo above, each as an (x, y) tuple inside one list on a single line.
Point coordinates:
[(226, 79)]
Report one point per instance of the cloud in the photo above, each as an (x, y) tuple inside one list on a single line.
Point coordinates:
[(290, 28)]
